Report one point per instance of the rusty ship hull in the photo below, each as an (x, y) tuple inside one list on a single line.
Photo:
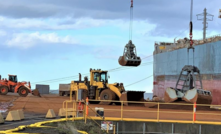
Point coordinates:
[(169, 62)]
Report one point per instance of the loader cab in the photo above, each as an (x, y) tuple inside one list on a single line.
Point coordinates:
[(12, 78), (99, 77)]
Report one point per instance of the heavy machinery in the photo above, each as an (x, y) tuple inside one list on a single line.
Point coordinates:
[(189, 88), (130, 57), (98, 88), (12, 85)]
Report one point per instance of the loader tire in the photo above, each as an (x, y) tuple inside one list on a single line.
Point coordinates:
[(107, 94), (3, 90), (23, 91)]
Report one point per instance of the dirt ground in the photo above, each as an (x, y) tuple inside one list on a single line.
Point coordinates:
[(36, 106)]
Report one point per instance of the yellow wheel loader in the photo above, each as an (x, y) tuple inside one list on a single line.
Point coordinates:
[(189, 88), (98, 89)]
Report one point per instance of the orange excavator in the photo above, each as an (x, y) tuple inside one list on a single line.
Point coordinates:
[(12, 85), (130, 57)]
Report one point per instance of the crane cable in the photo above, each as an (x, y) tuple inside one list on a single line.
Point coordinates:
[(131, 21), (191, 30), (139, 81), (75, 76)]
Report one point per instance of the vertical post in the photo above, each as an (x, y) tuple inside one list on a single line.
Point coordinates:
[(194, 112), (107, 127), (86, 110), (117, 127), (74, 110), (122, 110), (204, 24), (200, 129), (85, 114), (205, 19), (66, 111), (172, 128), (144, 126), (158, 111), (114, 129)]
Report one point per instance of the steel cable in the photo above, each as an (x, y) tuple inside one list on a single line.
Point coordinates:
[(75, 76), (139, 81)]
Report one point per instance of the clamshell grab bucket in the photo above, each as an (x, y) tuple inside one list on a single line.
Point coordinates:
[(123, 61)]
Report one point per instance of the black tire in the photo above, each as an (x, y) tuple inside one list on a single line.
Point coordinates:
[(23, 91), (107, 94), (3, 90)]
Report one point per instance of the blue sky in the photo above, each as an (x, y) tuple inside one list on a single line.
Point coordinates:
[(44, 40)]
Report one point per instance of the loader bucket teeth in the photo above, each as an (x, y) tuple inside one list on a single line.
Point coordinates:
[(123, 61), (132, 96), (170, 95), (36, 93)]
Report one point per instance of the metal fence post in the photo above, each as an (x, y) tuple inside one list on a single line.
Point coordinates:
[(86, 114), (122, 110), (144, 130), (200, 129), (194, 112), (66, 111), (117, 127), (172, 128)]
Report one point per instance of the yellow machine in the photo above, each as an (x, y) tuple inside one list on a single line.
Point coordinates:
[(98, 88)]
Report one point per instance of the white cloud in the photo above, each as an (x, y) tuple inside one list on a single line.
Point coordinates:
[(67, 23), (51, 23), (2, 33), (26, 40)]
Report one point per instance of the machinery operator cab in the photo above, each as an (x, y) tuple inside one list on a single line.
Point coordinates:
[(101, 77), (13, 78)]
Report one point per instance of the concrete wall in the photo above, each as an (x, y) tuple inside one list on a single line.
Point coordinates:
[(124, 127)]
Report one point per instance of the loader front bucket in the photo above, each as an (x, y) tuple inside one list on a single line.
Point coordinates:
[(132, 96), (123, 61), (170, 95), (200, 96), (36, 93)]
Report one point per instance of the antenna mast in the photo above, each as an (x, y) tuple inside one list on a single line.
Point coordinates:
[(205, 19)]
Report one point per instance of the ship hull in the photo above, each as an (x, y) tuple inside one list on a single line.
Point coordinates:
[(207, 57)]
